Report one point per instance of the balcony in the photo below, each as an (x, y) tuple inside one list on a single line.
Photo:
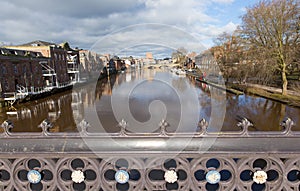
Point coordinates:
[(73, 70)]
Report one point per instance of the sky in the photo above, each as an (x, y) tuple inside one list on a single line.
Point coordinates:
[(121, 27)]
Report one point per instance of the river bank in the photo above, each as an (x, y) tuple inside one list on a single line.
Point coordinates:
[(292, 98), (44, 94), (272, 93)]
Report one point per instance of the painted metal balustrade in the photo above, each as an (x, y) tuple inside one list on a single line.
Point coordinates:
[(204, 160)]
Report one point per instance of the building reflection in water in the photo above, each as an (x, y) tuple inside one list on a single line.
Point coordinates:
[(66, 110), (56, 109)]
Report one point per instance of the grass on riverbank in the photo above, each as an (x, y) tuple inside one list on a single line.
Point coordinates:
[(292, 100)]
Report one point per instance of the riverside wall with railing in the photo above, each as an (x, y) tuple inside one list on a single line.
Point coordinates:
[(204, 160)]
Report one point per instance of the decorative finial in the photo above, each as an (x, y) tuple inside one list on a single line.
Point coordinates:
[(7, 125), (84, 125), (122, 124), (202, 125), (163, 125), (244, 124), (45, 125), (287, 125)]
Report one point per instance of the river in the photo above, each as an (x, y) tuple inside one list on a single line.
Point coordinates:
[(143, 97)]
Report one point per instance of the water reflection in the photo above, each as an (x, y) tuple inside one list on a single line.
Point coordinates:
[(149, 97), (266, 115), (149, 102), (57, 109)]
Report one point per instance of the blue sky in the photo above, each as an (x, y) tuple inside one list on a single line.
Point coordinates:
[(102, 25)]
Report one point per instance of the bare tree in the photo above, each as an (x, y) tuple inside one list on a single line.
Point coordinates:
[(271, 30), (180, 56), (228, 53)]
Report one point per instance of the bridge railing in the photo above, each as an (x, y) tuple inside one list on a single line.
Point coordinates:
[(204, 160)]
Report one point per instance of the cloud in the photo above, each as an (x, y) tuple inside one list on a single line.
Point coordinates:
[(76, 9), (210, 31), (147, 37), (83, 23), (243, 9), (223, 1)]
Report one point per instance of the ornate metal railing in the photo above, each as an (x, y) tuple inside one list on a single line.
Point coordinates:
[(243, 160)]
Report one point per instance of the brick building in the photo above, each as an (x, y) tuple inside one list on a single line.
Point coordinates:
[(55, 69), (73, 62), (20, 70)]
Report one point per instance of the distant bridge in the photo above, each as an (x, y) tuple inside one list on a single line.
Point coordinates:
[(160, 65)]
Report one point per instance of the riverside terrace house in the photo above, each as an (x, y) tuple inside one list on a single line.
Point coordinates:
[(55, 69), (17, 68), (73, 62), (91, 63), (207, 63)]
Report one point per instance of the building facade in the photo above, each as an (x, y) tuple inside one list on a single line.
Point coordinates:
[(91, 63), (73, 62), (20, 71), (55, 69), (207, 63)]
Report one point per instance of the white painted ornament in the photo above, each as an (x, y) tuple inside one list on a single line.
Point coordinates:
[(77, 176), (170, 176), (260, 177)]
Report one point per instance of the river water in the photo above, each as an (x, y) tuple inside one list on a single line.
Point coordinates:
[(143, 97)]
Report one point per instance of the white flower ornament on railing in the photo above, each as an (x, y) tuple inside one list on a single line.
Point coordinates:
[(260, 177), (77, 176), (170, 176)]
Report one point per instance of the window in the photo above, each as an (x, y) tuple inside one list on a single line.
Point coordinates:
[(15, 69), (4, 71), (6, 86), (36, 69)]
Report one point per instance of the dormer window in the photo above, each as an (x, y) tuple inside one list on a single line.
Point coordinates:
[(35, 44)]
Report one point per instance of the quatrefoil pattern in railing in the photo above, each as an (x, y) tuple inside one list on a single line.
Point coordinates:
[(243, 172), (77, 174), (44, 179)]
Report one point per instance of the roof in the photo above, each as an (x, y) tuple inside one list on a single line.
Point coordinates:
[(38, 43), (23, 53)]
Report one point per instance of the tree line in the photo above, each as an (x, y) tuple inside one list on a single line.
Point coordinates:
[(265, 48)]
